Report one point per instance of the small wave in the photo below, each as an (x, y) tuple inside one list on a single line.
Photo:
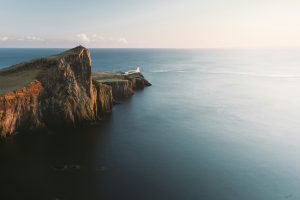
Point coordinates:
[(181, 71), (167, 71), (160, 71), (282, 75), (256, 74), (230, 73)]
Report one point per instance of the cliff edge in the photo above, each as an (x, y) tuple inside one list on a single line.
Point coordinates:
[(60, 90)]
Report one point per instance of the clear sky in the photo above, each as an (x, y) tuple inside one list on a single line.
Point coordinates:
[(151, 23)]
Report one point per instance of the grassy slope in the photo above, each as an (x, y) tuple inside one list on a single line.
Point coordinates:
[(12, 80), (19, 75)]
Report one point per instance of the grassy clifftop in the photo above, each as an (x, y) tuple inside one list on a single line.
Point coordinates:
[(58, 91)]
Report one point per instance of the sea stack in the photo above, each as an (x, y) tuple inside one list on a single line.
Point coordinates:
[(60, 91)]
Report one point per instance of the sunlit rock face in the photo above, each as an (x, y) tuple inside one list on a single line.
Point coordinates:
[(59, 91), (19, 109)]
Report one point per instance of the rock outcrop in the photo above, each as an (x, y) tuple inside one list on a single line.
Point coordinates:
[(123, 85), (60, 91)]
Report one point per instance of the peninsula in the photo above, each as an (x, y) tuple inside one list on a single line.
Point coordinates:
[(60, 91)]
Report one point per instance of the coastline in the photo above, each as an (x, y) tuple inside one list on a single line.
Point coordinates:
[(60, 91)]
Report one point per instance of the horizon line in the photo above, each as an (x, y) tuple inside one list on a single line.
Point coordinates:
[(195, 48)]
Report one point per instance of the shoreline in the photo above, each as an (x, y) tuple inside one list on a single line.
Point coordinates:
[(60, 91)]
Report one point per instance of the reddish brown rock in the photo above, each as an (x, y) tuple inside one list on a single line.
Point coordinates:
[(59, 91), (20, 109)]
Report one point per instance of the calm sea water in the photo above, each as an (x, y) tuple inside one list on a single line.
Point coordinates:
[(216, 124)]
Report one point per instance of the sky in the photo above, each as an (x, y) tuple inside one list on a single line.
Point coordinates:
[(150, 24)]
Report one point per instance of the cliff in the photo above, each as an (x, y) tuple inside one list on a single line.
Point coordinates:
[(122, 85), (60, 91)]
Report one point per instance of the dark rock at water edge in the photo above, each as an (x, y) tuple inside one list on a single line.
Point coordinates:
[(60, 90)]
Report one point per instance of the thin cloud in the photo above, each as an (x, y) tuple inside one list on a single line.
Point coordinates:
[(90, 40), (4, 38), (33, 38), (30, 38), (82, 37), (123, 41), (96, 39)]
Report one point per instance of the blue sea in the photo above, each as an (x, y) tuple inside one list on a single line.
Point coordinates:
[(215, 124)]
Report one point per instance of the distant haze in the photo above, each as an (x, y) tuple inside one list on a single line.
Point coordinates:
[(150, 24)]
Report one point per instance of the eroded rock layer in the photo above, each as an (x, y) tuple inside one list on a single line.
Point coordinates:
[(60, 91)]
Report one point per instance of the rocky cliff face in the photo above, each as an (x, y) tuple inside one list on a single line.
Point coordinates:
[(62, 92), (123, 85), (19, 109)]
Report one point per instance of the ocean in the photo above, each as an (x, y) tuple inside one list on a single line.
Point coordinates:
[(215, 124)]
